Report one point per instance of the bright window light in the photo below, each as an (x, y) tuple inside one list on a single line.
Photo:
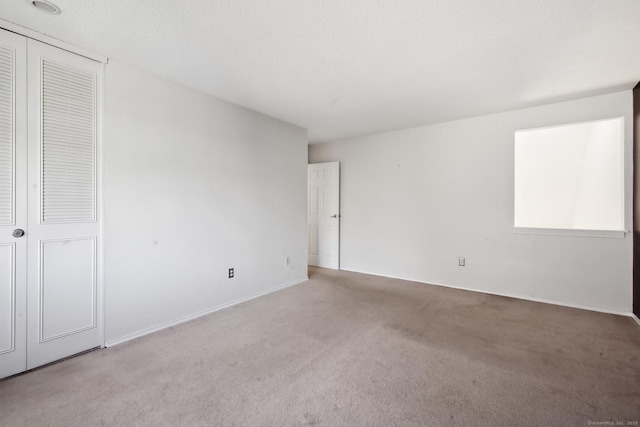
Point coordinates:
[(570, 177)]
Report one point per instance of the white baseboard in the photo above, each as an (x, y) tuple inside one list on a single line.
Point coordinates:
[(634, 317), (188, 317), (541, 300)]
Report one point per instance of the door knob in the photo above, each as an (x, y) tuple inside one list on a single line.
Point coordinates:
[(18, 232), (334, 216)]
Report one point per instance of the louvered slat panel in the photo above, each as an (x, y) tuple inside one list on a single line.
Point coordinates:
[(7, 142), (68, 144)]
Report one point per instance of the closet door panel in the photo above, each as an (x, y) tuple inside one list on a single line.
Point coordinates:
[(13, 203), (68, 144), (64, 290), (7, 140)]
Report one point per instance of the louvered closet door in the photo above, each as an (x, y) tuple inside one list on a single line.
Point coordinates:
[(64, 295), (13, 203)]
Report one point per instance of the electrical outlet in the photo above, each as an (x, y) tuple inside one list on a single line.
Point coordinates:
[(287, 260), (231, 273), (461, 261)]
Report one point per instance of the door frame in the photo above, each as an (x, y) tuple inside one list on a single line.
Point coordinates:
[(636, 202)]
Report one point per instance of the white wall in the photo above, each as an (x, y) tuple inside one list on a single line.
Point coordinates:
[(415, 200), (192, 186)]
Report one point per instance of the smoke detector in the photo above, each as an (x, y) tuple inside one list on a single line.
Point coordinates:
[(45, 6)]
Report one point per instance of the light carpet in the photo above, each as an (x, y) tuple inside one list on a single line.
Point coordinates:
[(348, 349)]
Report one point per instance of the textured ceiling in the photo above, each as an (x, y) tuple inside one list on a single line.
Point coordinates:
[(344, 68)]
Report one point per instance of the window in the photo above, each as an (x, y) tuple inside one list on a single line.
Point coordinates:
[(570, 177)]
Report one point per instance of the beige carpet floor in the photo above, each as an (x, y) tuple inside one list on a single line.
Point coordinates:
[(347, 349)]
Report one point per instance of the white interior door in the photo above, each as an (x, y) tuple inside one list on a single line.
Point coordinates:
[(63, 236), (13, 203), (324, 215)]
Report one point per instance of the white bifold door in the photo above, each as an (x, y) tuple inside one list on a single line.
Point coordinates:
[(50, 246)]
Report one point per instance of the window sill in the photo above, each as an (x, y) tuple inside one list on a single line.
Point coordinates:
[(616, 234)]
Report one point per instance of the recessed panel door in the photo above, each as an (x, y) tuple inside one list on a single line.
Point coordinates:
[(324, 214)]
